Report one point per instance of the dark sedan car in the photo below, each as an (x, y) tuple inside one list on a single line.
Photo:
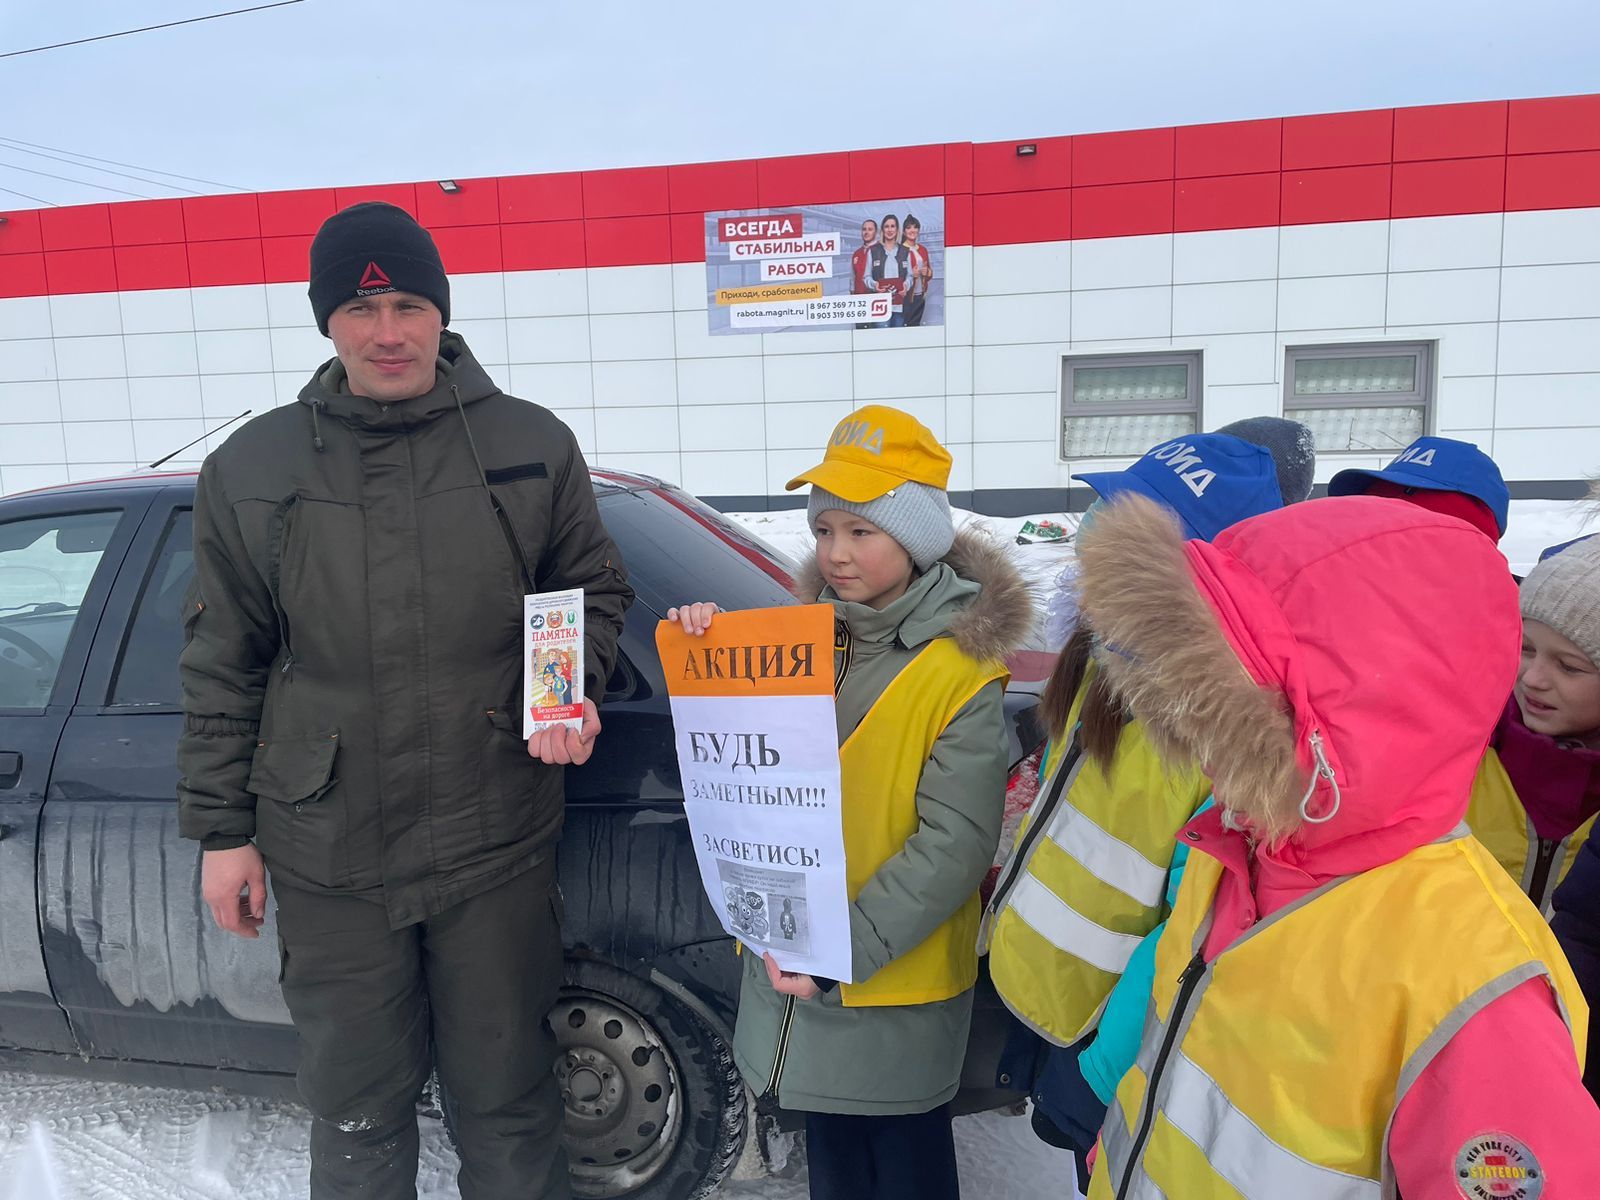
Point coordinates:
[(110, 965)]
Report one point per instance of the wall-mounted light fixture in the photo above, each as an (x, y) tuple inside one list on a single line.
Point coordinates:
[(449, 186), (1027, 149)]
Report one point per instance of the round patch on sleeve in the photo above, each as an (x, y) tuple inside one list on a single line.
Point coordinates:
[(1496, 1166)]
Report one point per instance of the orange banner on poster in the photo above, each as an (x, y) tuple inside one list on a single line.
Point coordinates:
[(759, 652)]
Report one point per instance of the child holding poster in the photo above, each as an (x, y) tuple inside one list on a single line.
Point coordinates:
[(925, 617)]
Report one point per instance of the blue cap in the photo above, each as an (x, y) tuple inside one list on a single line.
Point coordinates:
[(1210, 480), (1552, 551), (1437, 464)]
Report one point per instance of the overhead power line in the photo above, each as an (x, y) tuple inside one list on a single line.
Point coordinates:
[(90, 158), (85, 182), (121, 174), (25, 196), (148, 28)]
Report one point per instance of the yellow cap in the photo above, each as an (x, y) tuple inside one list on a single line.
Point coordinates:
[(874, 449)]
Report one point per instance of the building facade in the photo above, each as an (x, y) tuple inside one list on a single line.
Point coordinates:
[(1377, 274)]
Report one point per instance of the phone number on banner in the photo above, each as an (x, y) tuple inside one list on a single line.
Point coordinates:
[(858, 309)]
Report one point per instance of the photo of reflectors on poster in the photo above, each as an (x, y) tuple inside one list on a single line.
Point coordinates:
[(754, 726), (878, 264)]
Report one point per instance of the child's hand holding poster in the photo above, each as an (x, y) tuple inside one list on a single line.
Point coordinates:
[(753, 719), (552, 657)]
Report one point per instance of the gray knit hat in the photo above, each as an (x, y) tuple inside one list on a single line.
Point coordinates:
[(1564, 592), (913, 514), (1293, 448)]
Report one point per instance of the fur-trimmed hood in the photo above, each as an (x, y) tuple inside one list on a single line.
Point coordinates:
[(994, 624), (1358, 647)]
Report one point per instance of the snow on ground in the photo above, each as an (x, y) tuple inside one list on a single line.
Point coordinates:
[(1534, 524), (68, 1139)]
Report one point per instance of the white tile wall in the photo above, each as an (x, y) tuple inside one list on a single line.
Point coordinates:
[(95, 400), (1543, 347), (1467, 402), (84, 316), (25, 317), (636, 429), (1444, 243), (808, 377), (1122, 262), (554, 385), (27, 359), (631, 289), (720, 380), (158, 398), (888, 374), (89, 357), (723, 427), (633, 335), (237, 308), (37, 442), (38, 401), (236, 351), (477, 297), (721, 473), (1559, 236), (623, 356), (547, 339), (803, 425), (1223, 307), (1116, 313), (1548, 402), (1038, 317), (1357, 248), (1549, 293), (1331, 301), (99, 441), (1444, 297), (1007, 270), (635, 384), (546, 293), (1218, 256)]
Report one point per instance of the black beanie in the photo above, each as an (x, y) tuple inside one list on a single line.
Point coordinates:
[(371, 248)]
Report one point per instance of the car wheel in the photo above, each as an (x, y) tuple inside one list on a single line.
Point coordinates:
[(654, 1105)]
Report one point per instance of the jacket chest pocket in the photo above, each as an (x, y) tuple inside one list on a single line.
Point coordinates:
[(524, 497), (300, 821)]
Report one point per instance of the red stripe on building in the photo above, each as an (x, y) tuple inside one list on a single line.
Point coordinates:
[(1436, 160)]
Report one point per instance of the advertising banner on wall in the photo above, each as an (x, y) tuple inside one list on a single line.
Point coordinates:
[(878, 264)]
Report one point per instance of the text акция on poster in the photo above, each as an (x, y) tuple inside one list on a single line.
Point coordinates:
[(753, 722), (552, 661)]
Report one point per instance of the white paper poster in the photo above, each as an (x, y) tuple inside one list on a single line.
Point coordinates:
[(753, 722)]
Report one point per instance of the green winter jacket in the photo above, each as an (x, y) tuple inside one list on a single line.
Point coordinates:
[(902, 1059), (352, 666)]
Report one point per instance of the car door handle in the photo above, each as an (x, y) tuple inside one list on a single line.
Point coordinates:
[(10, 768)]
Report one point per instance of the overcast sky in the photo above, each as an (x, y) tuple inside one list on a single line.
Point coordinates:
[(354, 91)]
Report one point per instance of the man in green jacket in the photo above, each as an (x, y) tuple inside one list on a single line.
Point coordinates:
[(351, 690)]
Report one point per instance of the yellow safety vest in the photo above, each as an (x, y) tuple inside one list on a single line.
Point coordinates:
[(1086, 880), (1273, 1071), (880, 764), (1499, 820)]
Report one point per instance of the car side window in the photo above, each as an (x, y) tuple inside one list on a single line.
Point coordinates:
[(147, 671), (46, 567)]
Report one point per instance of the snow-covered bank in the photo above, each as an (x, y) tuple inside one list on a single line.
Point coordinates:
[(67, 1139)]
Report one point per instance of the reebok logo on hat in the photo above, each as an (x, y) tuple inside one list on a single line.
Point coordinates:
[(373, 281)]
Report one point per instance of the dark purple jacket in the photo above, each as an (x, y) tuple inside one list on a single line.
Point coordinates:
[(1577, 927)]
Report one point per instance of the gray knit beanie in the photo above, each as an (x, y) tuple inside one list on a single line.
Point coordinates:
[(913, 514), (1564, 592), (1293, 448)]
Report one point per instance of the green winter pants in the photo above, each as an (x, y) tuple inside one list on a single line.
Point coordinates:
[(477, 982)]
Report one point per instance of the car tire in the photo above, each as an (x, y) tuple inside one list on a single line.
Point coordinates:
[(655, 1107)]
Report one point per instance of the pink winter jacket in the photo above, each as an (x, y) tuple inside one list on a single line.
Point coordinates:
[(1391, 715)]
